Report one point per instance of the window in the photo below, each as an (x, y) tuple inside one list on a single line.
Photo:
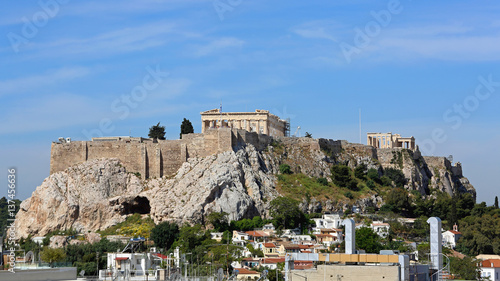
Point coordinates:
[(138, 261)]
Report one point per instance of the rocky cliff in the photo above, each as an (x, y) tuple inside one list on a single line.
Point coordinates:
[(100, 193)]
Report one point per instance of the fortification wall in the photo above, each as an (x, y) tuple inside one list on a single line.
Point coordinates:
[(150, 159), (165, 157), (438, 162)]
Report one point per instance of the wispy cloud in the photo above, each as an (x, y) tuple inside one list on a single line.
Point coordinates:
[(24, 84), (317, 30), (117, 41), (217, 46), (444, 42)]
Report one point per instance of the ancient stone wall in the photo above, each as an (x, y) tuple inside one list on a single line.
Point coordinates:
[(150, 159)]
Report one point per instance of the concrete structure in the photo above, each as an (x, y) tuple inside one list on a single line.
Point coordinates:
[(63, 273), (451, 237), (260, 121), (490, 269), (436, 243), (347, 273), (389, 140), (350, 236)]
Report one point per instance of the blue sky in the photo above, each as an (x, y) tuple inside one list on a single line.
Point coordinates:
[(83, 68)]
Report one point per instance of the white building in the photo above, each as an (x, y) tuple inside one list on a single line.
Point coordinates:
[(381, 228), (132, 264), (450, 237), (239, 237), (490, 269), (327, 221)]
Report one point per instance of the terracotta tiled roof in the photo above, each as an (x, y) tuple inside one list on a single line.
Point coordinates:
[(291, 246), (257, 233), (455, 232), (245, 271), (250, 259), (273, 260), (161, 256), (269, 245), (491, 263)]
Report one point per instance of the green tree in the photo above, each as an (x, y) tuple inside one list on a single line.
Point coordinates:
[(398, 199), (219, 221), (373, 175), (164, 234), (157, 132), (287, 214), (322, 181), (52, 255), (247, 224), (368, 240), (396, 176), (6, 213), (466, 268), (341, 176), (285, 169), (496, 202), (191, 237), (360, 171), (186, 127), (255, 252)]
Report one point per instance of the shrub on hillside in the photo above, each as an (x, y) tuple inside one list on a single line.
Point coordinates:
[(285, 169)]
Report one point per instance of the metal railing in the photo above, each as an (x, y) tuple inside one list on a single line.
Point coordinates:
[(444, 272)]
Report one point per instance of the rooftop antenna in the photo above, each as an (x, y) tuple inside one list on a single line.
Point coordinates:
[(360, 125)]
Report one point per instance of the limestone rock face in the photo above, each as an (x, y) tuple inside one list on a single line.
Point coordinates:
[(100, 193), (75, 198)]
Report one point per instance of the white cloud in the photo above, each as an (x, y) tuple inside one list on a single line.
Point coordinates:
[(218, 45), (123, 40), (318, 30), (24, 84)]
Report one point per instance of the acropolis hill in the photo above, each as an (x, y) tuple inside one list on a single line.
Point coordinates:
[(156, 158), (233, 167)]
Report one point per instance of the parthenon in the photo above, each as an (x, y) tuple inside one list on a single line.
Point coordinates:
[(389, 140), (260, 121)]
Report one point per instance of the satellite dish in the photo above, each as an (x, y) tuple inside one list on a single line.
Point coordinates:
[(82, 273)]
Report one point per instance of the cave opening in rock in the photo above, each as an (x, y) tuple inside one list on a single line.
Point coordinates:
[(139, 205)]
